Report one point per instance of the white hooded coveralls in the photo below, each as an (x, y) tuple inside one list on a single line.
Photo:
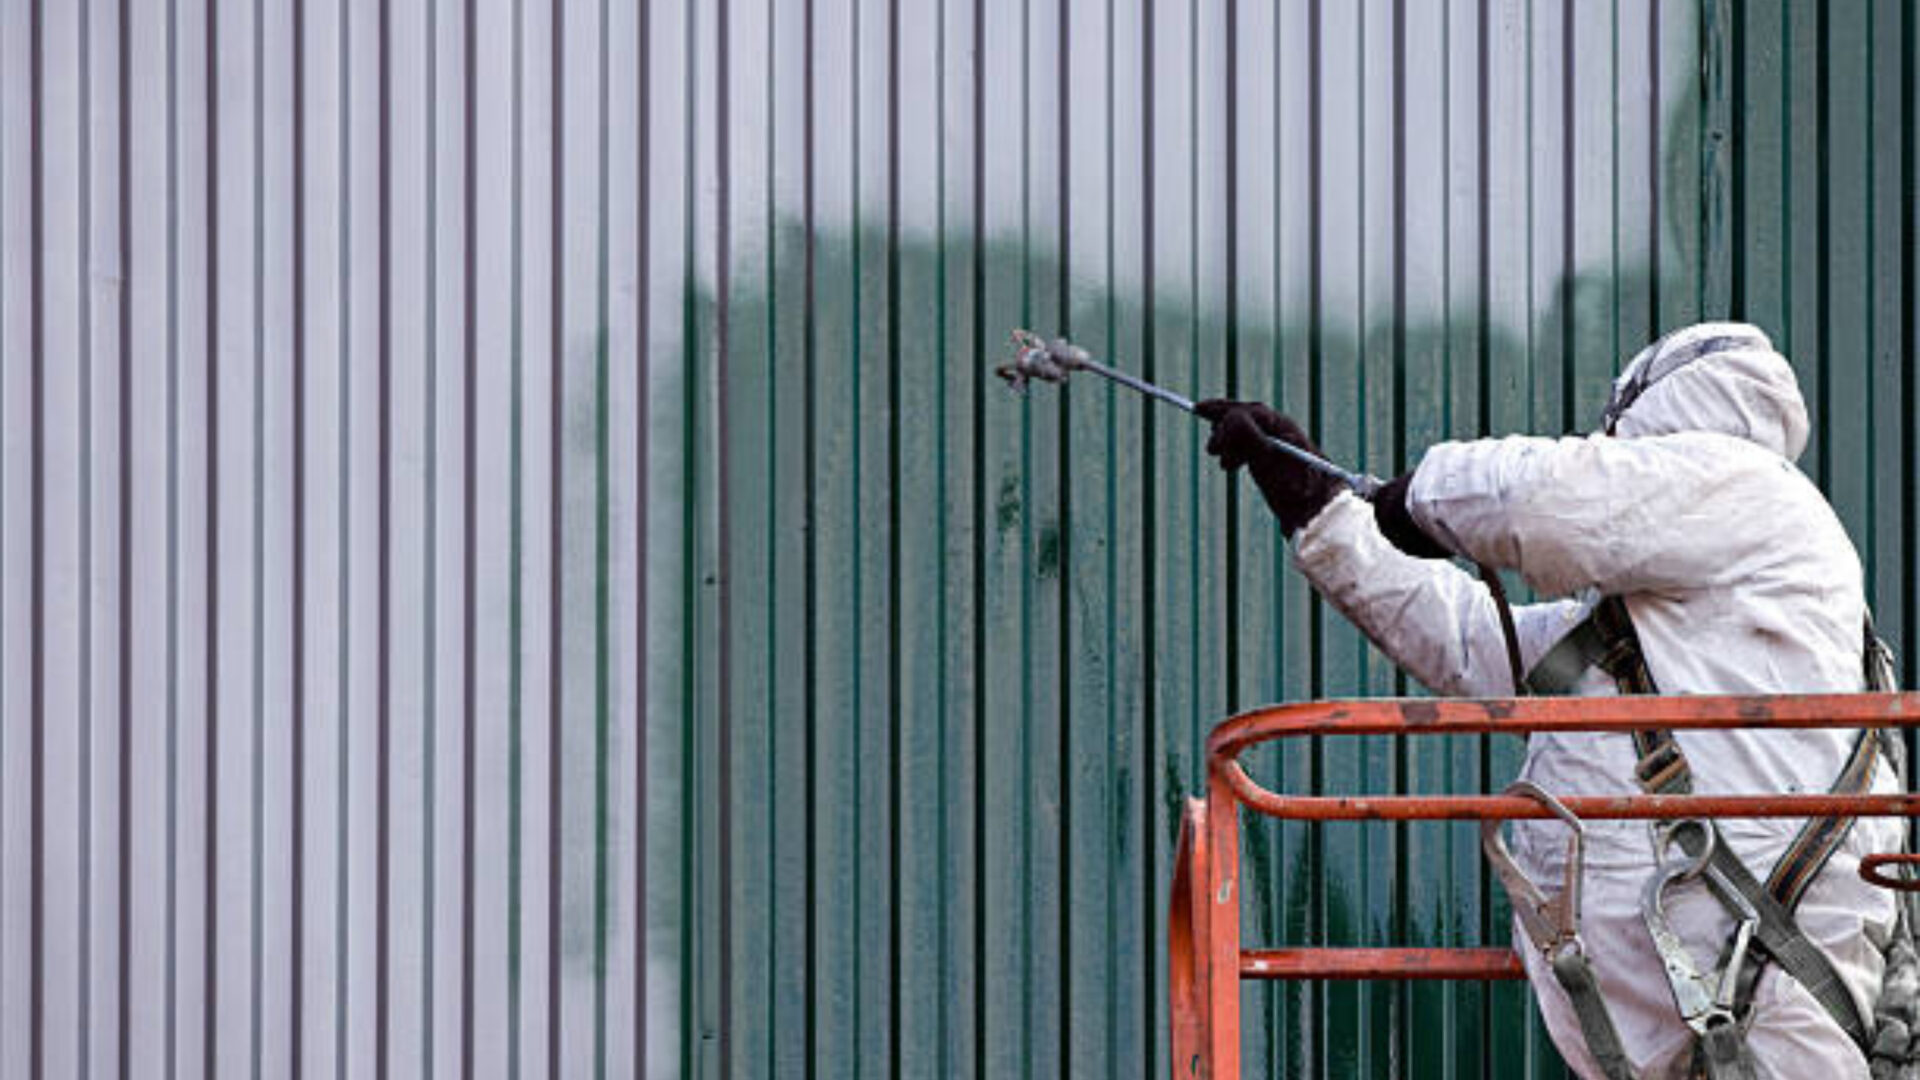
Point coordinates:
[(1740, 580)]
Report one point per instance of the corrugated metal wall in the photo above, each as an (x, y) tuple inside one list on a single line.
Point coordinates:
[(511, 562)]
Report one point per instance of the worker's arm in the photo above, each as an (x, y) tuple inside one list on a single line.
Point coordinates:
[(1435, 621), (1431, 617), (1670, 513)]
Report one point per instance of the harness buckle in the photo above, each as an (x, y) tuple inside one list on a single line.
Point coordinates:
[(1660, 767)]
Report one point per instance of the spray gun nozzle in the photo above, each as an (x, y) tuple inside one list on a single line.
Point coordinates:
[(1035, 358)]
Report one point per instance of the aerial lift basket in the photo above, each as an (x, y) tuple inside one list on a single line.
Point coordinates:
[(1206, 958)]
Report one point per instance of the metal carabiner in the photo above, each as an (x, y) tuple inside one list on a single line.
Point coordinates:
[(1705, 999), (1552, 925)]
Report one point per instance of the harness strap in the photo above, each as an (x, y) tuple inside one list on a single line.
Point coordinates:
[(1803, 861), (1819, 838), (1663, 770), (1777, 937), (1574, 972), (1723, 1053), (1606, 639)]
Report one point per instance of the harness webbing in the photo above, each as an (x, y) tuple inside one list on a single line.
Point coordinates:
[(1778, 937), (1606, 639), (1819, 838), (1574, 972)]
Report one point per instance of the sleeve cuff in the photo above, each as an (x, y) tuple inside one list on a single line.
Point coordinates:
[(1328, 534)]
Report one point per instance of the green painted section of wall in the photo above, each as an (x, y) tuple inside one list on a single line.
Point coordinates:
[(975, 641)]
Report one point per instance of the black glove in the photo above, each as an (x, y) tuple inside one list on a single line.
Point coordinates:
[(1294, 491), (1396, 521)]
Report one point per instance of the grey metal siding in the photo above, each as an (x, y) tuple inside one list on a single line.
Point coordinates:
[(512, 562)]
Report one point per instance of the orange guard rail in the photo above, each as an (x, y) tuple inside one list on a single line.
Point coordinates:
[(1207, 962)]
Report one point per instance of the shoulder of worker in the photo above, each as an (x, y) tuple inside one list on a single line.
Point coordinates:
[(1596, 510), (1596, 464)]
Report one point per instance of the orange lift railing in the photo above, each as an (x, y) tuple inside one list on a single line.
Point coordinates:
[(1207, 960)]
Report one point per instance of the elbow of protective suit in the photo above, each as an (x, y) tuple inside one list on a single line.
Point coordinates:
[(1432, 618)]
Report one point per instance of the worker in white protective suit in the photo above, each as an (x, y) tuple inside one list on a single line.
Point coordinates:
[(1738, 578)]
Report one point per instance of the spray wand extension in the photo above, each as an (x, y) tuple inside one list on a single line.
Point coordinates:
[(1034, 358)]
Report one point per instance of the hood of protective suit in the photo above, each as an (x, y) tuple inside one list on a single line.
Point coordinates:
[(1721, 377)]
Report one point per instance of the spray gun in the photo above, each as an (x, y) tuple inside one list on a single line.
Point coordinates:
[(1035, 358)]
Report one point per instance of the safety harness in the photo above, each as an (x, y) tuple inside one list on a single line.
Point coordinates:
[(1715, 1005)]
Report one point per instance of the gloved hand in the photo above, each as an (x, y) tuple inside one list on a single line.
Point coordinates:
[(1294, 492), (1396, 521)]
